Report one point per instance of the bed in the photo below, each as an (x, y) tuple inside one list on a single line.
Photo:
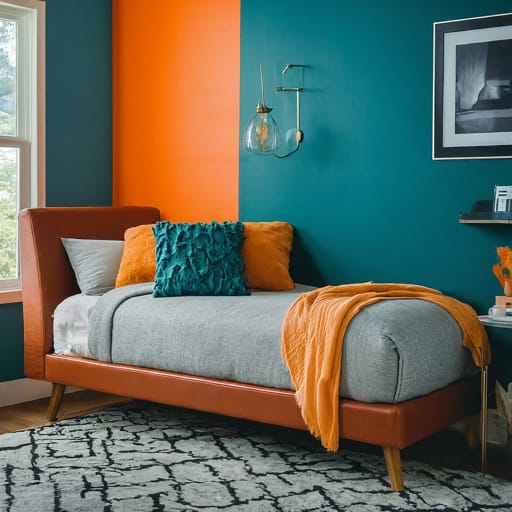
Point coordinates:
[(48, 280)]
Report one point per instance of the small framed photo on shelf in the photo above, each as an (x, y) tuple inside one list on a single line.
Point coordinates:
[(473, 88), (502, 198)]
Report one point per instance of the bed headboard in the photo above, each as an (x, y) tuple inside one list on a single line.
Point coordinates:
[(47, 276)]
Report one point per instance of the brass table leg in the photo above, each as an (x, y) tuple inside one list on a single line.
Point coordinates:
[(484, 384)]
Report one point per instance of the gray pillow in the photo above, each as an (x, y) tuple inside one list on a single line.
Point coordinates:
[(95, 262)]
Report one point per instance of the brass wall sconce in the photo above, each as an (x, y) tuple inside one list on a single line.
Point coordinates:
[(261, 135)]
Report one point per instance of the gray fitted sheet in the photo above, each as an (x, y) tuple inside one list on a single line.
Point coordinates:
[(393, 350)]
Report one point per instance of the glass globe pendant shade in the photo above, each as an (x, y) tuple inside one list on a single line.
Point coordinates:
[(261, 135)]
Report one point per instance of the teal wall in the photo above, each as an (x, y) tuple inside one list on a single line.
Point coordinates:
[(366, 198), (78, 102), (363, 192), (78, 129)]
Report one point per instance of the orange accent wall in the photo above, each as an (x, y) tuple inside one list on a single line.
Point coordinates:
[(176, 95)]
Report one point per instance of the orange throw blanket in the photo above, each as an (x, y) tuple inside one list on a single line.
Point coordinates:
[(312, 339)]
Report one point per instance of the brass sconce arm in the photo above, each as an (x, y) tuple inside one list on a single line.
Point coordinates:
[(299, 134)]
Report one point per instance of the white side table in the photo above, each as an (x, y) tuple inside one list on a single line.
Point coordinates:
[(502, 322)]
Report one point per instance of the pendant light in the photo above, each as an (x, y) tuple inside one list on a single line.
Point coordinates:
[(261, 135)]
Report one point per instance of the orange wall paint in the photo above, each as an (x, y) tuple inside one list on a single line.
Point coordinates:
[(176, 90)]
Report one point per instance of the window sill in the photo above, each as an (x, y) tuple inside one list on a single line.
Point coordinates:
[(10, 296)]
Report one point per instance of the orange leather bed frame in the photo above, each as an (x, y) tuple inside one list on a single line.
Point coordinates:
[(48, 279)]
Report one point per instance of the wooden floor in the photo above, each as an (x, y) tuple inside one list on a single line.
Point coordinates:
[(447, 449), (33, 414)]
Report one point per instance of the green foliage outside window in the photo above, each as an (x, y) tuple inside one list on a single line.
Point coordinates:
[(7, 77), (8, 156), (8, 213)]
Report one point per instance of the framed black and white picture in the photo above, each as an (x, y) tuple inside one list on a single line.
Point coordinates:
[(473, 88)]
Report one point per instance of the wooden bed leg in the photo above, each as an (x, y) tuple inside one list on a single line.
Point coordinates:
[(392, 456), (55, 401)]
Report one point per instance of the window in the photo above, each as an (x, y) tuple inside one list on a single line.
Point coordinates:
[(21, 128)]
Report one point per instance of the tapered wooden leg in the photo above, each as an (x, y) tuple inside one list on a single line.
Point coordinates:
[(55, 401), (392, 456)]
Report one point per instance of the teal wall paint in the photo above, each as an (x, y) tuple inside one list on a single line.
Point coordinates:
[(365, 197), (78, 102), (78, 129), (11, 342)]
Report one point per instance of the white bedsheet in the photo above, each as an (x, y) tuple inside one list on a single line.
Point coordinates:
[(71, 325)]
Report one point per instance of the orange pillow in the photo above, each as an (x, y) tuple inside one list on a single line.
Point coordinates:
[(265, 251), (138, 262), (266, 254)]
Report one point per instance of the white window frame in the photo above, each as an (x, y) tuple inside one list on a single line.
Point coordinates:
[(30, 114)]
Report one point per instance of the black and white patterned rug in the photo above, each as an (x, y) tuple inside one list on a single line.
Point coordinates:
[(143, 457)]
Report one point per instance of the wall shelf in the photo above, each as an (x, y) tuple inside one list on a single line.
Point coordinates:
[(484, 221), (482, 213)]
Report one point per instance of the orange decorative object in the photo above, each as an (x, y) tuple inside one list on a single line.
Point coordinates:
[(138, 263), (266, 254), (503, 269)]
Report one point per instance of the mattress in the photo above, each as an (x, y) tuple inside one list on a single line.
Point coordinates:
[(393, 350)]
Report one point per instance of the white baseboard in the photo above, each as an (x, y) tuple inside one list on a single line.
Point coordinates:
[(24, 390)]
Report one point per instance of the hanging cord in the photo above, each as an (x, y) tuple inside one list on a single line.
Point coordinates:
[(262, 86)]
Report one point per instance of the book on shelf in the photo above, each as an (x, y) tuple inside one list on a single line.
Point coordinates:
[(502, 198), (504, 301)]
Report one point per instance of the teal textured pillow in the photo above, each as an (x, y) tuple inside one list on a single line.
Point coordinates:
[(199, 259)]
